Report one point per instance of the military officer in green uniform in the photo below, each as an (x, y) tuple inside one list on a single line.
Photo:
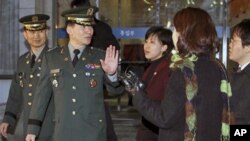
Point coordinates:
[(76, 74), (25, 80)]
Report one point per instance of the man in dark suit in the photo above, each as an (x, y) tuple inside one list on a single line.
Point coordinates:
[(76, 74), (24, 81), (239, 52)]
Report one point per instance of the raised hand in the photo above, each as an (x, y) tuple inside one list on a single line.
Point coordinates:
[(110, 64)]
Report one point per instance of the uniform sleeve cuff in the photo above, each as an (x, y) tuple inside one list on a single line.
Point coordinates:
[(112, 77), (33, 129), (10, 118)]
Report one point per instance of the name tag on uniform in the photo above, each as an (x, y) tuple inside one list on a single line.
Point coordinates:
[(55, 71)]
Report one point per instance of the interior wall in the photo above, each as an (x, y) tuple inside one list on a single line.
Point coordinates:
[(48, 7)]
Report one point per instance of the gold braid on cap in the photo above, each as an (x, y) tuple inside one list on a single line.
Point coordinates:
[(34, 27), (82, 21)]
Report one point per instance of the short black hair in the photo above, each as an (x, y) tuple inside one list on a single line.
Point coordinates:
[(163, 34), (242, 30)]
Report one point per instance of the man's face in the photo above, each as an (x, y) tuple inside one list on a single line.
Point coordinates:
[(36, 39), (237, 52), (80, 35)]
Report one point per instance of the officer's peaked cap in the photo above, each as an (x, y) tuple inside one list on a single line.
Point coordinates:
[(83, 15), (34, 22)]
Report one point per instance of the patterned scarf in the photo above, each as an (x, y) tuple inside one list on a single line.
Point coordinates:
[(186, 64)]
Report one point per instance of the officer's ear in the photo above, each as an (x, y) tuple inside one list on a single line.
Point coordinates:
[(25, 34), (69, 29)]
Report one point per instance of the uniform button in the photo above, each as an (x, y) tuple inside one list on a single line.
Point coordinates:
[(74, 100), (100, 120), (87, 73), (30, 85), (31, 76), (74, 75), (30, 94), (66, 59), (73, 113), (38, 75), (74, 87), (29, 103)]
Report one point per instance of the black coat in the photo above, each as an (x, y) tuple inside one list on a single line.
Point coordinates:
[(103, 36), (169, 114), (241, 96)]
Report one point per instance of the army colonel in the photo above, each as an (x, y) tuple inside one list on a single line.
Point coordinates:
[(76, 74), (22, 90)]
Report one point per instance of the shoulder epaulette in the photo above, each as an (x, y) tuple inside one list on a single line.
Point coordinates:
[(27, 54), (50, 49)]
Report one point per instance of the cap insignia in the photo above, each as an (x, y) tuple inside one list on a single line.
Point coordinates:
[(34, 18), (90, 11)]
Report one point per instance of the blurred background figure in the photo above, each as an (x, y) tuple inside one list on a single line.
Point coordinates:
[(103, 36)]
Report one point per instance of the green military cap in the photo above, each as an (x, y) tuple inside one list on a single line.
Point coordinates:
[(83, 15), (34, 22)]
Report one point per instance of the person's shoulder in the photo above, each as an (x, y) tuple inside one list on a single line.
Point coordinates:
[(53, 50), (24, 56), (102, 24)]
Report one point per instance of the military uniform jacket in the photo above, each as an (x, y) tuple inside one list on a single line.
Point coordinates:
[(241, 95), (78, 93), (21, 96), (169, 114)]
